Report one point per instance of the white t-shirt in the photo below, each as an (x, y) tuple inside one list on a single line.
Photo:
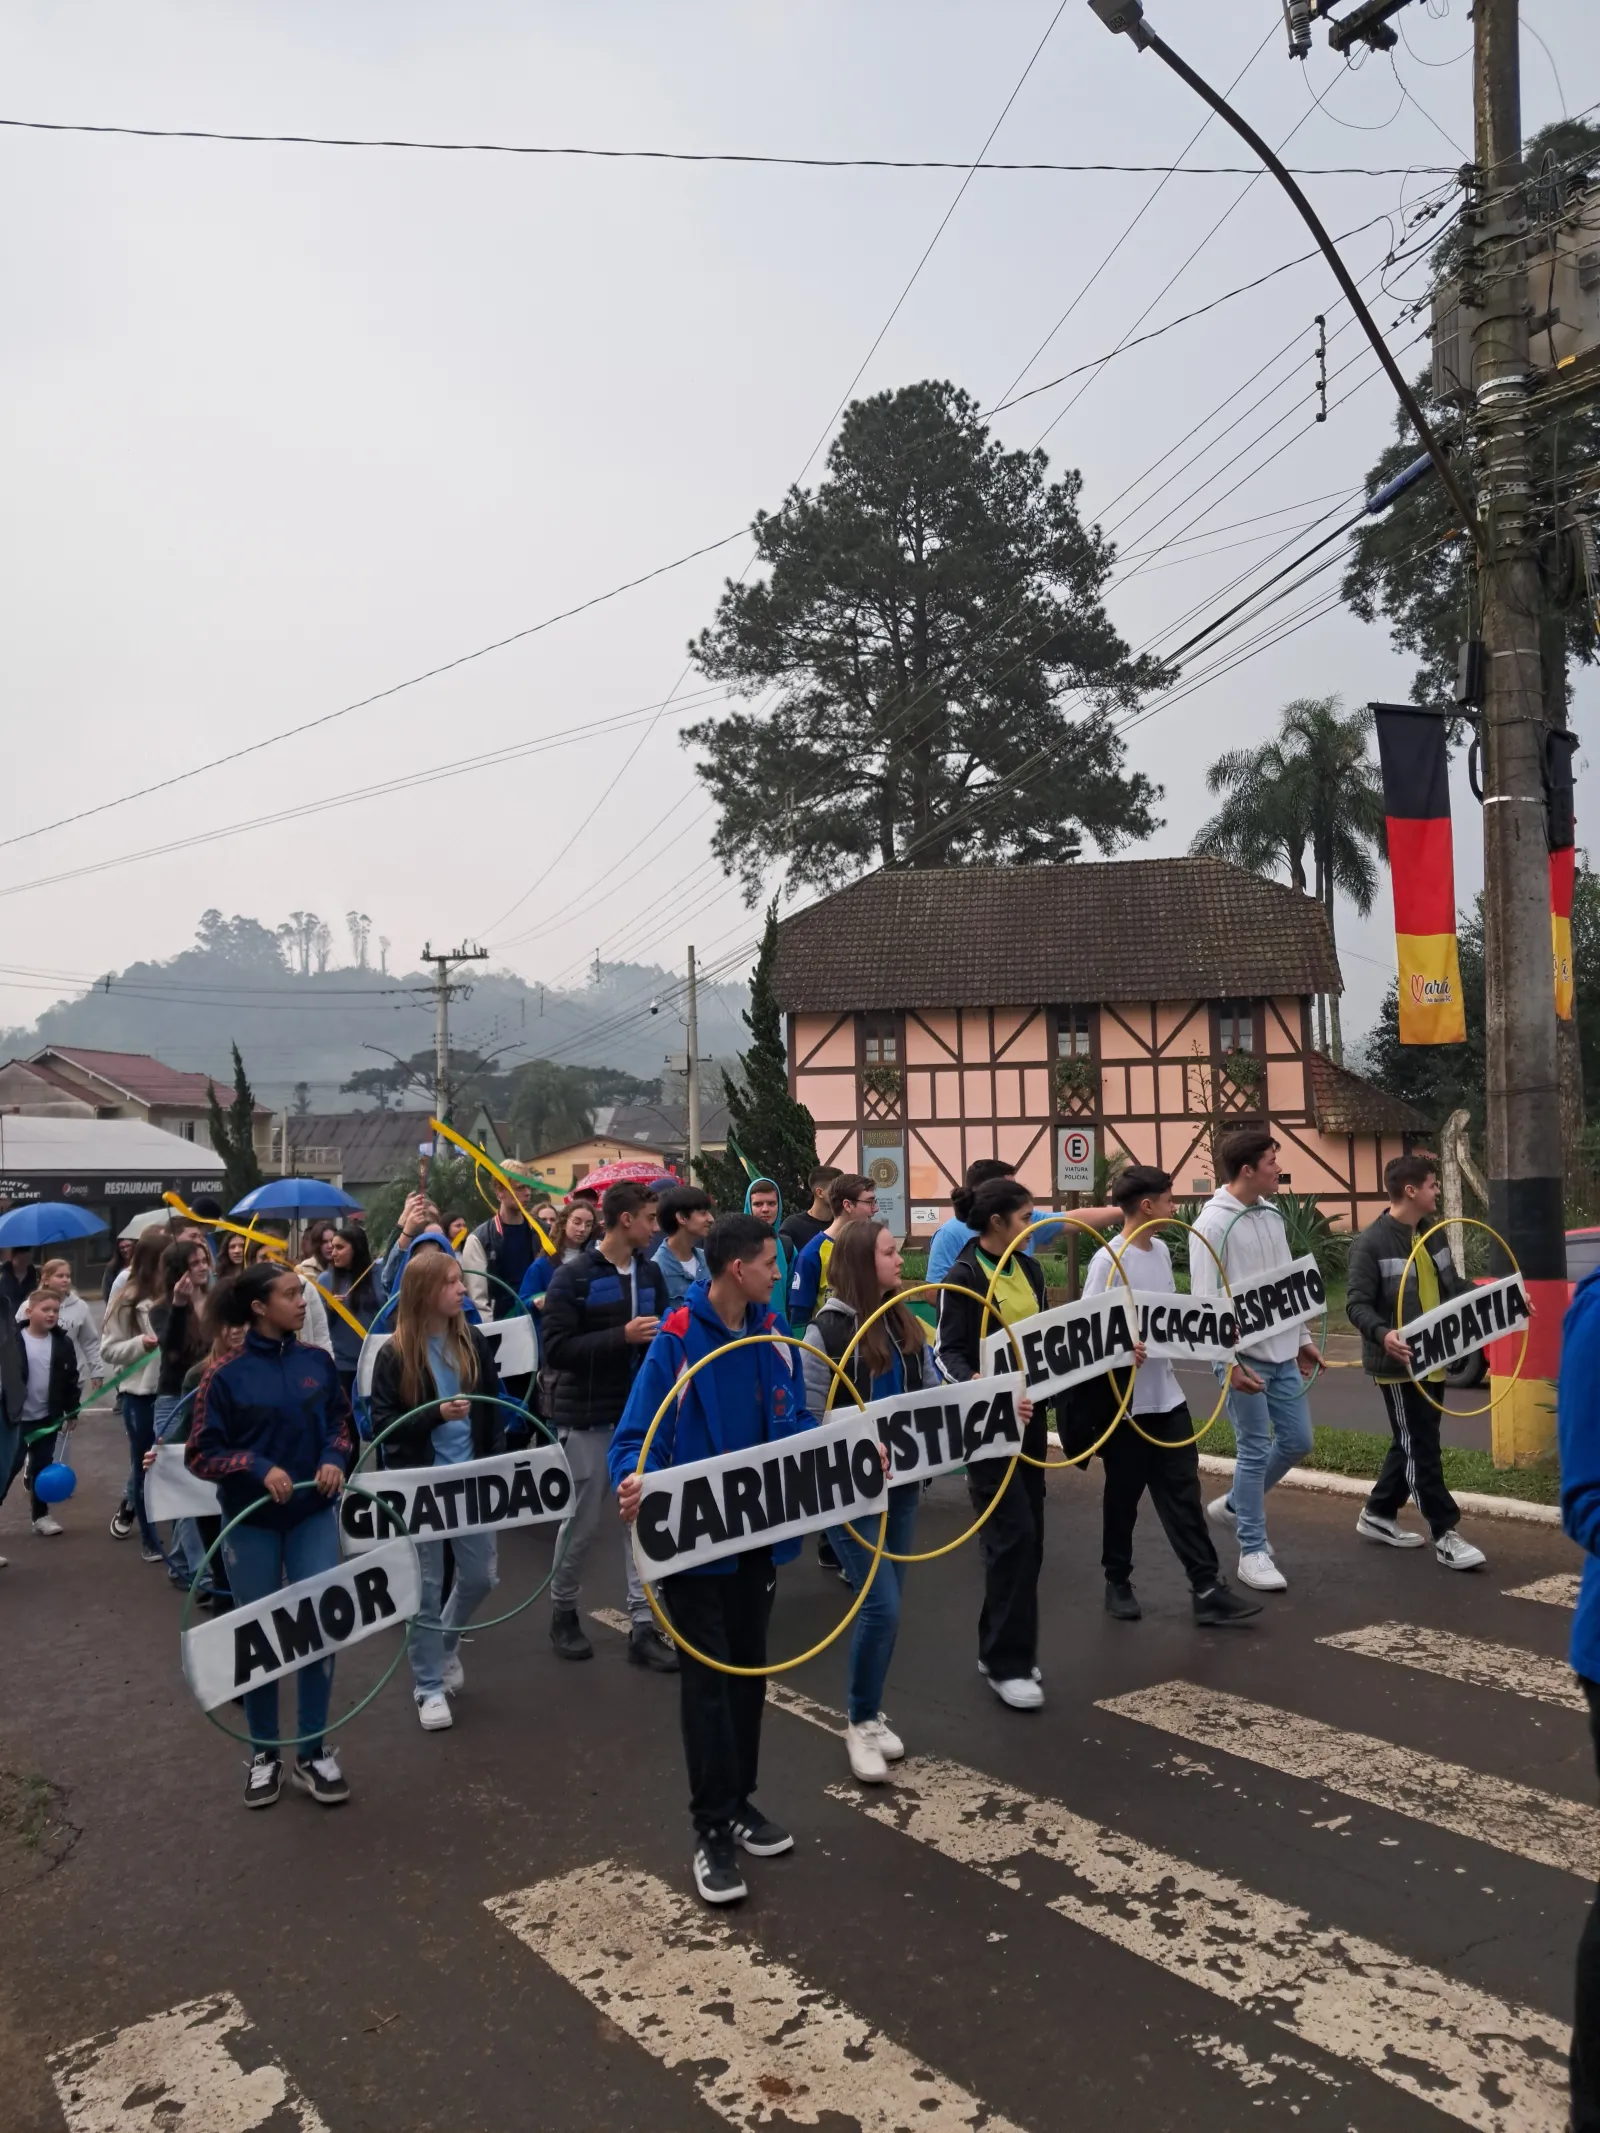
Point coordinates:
[(1146, 1266), (37, 1348)]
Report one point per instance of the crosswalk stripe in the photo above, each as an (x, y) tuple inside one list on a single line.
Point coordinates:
[(181, 2068), (780, 1696), (1535, 1825), (764, 2044), (1558, 1591), (1489, 2063), (1472, 1660)]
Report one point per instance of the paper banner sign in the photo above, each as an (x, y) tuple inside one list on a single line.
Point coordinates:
[(515, 1342), (171, 1491), (1283, 1296), (301, 1623), (709, 1509), (471, 1496), (1466, 1323)]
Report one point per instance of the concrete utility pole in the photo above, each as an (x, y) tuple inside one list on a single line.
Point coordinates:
[(694, 1068), (442, 991), (1524, 1120)]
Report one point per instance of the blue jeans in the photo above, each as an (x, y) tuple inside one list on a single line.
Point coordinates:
[(477, 1574), (878, 1624), (260, 1559), (1272, 1429), (139, 1420)]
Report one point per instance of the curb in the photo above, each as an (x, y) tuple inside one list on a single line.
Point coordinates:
[(1478, 1506)]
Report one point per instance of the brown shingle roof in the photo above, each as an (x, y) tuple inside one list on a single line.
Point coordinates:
[(1122, 929), (373, 1145), (1341, 1102), (137, 1074)]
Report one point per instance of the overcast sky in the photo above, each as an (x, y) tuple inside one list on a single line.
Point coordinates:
[(289, 425)]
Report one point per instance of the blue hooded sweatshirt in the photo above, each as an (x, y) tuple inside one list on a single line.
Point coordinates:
[(780, 1288), (396, 1260), (749, 1397), (1578, 1410), (275, 1403)]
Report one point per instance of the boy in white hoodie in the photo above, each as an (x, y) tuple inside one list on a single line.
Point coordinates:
[(1266, 1387)]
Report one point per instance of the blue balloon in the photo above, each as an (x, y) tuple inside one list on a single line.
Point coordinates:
[(56, 1483)]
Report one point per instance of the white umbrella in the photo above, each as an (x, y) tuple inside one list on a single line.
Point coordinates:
[(148, 1220)]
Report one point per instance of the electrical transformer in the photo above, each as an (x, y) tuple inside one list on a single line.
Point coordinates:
[(1562, 254)]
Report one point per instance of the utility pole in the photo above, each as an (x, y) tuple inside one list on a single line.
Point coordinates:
[(1524, 1120), (694, 1068), (442, 991)]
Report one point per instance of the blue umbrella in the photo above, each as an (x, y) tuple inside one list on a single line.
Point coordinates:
[(46, 1222), (296, 1196)]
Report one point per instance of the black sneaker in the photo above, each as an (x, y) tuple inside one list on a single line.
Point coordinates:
[(1122, 1601), (761, 1838), (123, 1521), (566, 1634), (716, 1872), (321, 1776), (648, 1648), (265, 1781), (826, 1559), (1221, 1606)]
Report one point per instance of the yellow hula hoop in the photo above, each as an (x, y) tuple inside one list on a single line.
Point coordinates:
[(781, 1666), (252, 1235), (1494, 1399), (487, 1162), (1073, 1222), (924, 1288), (1177, 1444)]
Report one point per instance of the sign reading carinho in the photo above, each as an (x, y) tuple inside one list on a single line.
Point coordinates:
[(301, 1624), (472, 1496), (1466, 1323), (712, 1508)]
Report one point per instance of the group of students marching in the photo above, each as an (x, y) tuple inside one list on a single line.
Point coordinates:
[(251, 1364)]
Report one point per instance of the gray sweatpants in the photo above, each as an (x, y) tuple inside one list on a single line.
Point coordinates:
[(592, 1500)]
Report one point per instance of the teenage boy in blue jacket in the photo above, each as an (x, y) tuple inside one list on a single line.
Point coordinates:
[(1578, 1408), (748, 1397)]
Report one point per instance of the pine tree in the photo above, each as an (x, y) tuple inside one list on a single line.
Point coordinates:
[(233, 1135), (776, 1136)]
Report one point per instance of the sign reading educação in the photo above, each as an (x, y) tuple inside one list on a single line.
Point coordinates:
[(1083, 1340), (472, 1496), (712, 1508), (301, 1623), (1466, 1323)]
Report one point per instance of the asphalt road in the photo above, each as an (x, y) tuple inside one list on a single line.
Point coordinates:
[(1285, 1882)]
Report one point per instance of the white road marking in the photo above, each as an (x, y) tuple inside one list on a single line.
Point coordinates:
[(1558, 1591), (180, 2072), (1513, 1818), (1473, 1660), (765, 2046), (1486, 2062)]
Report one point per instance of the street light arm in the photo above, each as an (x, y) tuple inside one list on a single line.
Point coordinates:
[(1127, 16)]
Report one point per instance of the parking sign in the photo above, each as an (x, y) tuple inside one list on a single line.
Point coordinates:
[(1075, 1159)]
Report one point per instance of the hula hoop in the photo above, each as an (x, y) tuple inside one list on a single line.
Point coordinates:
[(1074, 1222), (1177, 1444), (515, 1186), (1322, 1361), (1494, 1399), (923, 1288), (294, 1740), (491, 1399), (780, 1666)]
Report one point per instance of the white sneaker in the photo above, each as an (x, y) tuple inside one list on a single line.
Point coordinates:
[(1020, 1695), (1451, 1552), (890, 1746), (866, 1758), (49, 1527), (455, 1675), (1260, 1571), (1388, 1530), (434, 1712), (1221, 1512), (5, 1562)]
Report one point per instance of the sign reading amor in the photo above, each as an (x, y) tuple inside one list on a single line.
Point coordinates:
[(712, 1508), (1457, 1328), (300, 1624), (472, 1496)]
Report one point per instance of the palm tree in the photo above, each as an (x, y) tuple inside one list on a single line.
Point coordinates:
[(1314, 785)]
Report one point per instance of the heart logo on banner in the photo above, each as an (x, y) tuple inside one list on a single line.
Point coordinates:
[(1416, 986)]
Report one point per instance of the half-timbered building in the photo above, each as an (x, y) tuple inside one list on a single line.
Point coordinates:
[(1054, 1015)]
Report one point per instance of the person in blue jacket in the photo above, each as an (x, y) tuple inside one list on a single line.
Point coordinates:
[(955, 1233), (763, 1200), (1578, 1410), (853, 1199), (745, 1398), (273, 1415)]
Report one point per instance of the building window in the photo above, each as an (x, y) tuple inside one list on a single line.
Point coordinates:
[(188, 1129), (880, 1045), (1235, 1026), (1072, 1033)]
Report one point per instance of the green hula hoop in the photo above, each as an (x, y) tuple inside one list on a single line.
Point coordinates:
[(294, 1740), (492, 1399), (1322, 1340)]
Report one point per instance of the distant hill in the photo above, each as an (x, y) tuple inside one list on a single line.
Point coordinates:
[(236, 986)]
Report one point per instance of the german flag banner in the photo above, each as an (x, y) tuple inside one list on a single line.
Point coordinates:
[(1561, 875), (1416, 804)]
